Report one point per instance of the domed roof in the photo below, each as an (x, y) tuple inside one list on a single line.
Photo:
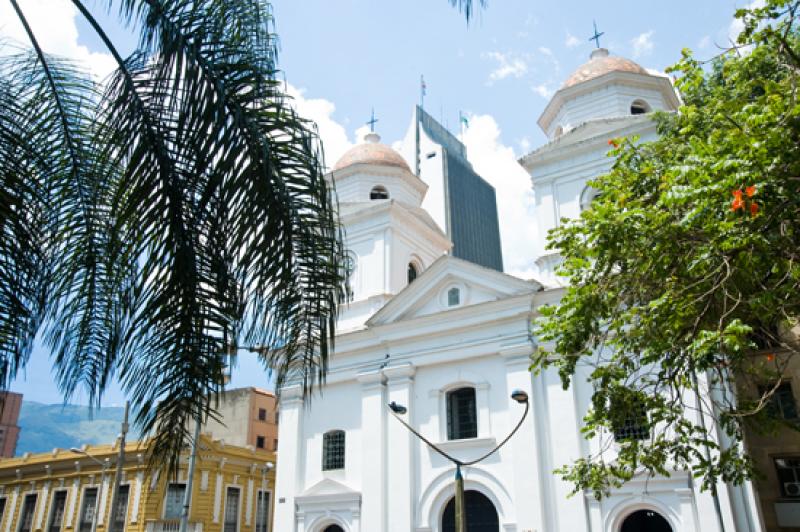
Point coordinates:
[(599, 64), (371, 152)]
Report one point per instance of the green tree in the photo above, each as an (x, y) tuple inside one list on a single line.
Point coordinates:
[(684, 274)]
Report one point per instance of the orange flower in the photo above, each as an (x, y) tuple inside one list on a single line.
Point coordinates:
[(753, 208), (750, 191), (737, 194), (770, 357), (737, 204), (613, 142)]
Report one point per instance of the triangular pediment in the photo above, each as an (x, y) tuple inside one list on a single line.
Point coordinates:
[(429, 293), (327, 486)]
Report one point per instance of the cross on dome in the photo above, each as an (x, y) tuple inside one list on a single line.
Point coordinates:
[(596, 36)]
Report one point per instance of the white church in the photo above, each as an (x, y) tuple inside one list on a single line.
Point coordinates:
[(435, 327)]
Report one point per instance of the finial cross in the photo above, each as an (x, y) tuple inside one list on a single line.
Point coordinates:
[(371, 121), (596, 36)]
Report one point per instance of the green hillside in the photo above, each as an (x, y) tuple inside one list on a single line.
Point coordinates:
[(44, 427)]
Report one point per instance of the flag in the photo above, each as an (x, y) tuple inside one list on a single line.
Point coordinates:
[(464, 120)]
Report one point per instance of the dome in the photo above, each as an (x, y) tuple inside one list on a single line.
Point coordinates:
[(372, 152), (599, 64)]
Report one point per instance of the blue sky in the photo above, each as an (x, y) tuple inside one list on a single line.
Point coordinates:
[(342, 58)]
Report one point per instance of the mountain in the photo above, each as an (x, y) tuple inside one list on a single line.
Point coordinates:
[(44, 427)]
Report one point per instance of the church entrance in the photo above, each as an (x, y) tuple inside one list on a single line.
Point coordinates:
[(645, 521), (333, 528), (481, 514)]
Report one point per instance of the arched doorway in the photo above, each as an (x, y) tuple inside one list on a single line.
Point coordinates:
[(333, 528), (645, 521), (481, 514)]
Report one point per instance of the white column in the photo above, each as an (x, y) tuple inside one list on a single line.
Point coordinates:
[(563, 432), (42, 506), (373, 418), (11, 508), (526, 490), (688, 513), (249, 507), (218, 497), (104, 488), (74, 495), (137, 497), (400, 468), (291, 449)]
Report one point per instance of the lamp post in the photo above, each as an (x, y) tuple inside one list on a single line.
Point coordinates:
[(397, 410), (97, 495)]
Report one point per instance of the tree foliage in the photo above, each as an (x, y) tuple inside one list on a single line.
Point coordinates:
[(684, 272)]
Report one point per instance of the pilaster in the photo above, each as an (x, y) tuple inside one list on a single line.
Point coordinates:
[(400, 467), (373, 425), (289, 471)]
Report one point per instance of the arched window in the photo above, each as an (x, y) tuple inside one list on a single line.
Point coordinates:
[(333, 528), (453, 297), (378, 192), (333, 450), (481, 513), (413, 272), (645, 521), (462, 416), (639, 107)]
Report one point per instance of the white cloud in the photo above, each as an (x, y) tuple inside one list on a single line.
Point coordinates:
[(334, 136), (543, 90), (497, 164), (642, 44), (572, 41), (546, 51), (53, 24), (704, 43), (508, 65)]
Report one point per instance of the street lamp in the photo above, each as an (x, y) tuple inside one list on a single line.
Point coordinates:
[(97, 495), (397, 410)]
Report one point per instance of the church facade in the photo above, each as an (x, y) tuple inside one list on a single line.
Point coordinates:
[(450, 341)]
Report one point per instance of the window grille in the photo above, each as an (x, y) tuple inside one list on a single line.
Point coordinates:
[(57, 511), (462, 420), (333, 450), (231, 510), (629, 418), (26, 518), (262, 511), (788, 470), (121, 510), (87, 509), (173, 504)]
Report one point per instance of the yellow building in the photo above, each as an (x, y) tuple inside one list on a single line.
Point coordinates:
[(58, 491)]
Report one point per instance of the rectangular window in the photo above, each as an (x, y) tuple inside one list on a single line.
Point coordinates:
[(57, 511), (629, 417), (26, 518), (231, 510), (121, 510), (333, 450), (174, 501), (262, 414), (788, 469), (260, 442), (88, 507), (275, 444), (2, 509), (462, 419), (262, 511), (781, 404)]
